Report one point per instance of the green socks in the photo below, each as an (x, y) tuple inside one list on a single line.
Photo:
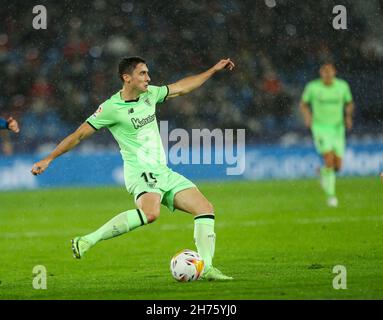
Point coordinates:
[(328, 181), (204, 237), (120, 224)]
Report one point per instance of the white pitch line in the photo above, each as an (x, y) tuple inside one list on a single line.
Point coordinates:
[(332, 219)]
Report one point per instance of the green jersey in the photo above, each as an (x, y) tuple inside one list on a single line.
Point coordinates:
[(327, 102), (134, 126)]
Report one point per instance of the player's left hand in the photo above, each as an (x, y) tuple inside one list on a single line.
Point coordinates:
[(40, 167), (224, 64), (349, 123), (13, 125)]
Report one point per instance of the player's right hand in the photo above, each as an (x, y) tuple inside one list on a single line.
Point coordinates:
[(40, 167)]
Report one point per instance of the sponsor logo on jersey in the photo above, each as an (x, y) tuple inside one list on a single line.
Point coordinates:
[(138, 123)]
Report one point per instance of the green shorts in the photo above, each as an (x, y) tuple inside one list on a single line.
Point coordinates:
[(329, 138), (167, 184)]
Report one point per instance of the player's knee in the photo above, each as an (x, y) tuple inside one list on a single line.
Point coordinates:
[(152, 214), (209, 208), (329, 162)]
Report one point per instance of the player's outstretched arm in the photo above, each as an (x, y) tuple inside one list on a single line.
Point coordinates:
[(84, 131), (190, 83)]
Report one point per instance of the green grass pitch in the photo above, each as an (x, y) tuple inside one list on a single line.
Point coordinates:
[(277, 239)]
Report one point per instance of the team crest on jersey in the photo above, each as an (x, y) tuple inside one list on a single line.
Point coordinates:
[(99, 110)]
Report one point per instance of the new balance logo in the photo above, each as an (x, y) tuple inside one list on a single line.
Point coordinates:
[(148, 102), (131, 110)]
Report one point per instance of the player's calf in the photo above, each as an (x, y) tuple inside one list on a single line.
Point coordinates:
[(122, 223), (203, 210), (328, 176)]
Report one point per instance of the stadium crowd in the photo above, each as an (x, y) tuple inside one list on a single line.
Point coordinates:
[(53, 79)]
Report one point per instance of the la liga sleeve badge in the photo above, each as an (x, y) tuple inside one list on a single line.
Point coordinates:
[(98, 111)]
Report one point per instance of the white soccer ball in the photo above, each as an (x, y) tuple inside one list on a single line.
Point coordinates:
[(186, 265)]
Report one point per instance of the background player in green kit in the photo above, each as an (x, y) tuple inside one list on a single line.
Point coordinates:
[(327, 119), (130, 116)]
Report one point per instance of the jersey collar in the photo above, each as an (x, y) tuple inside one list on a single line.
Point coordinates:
[(118, 94)]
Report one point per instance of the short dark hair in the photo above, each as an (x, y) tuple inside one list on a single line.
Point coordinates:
[(128, 64), (328, 63)]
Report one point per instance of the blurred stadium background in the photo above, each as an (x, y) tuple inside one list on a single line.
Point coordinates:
[(52, 80)]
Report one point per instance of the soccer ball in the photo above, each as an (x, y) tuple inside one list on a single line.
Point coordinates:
[(186, 265)]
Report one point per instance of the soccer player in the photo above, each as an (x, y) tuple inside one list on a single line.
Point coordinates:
[(331, 111), (130, 116)]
